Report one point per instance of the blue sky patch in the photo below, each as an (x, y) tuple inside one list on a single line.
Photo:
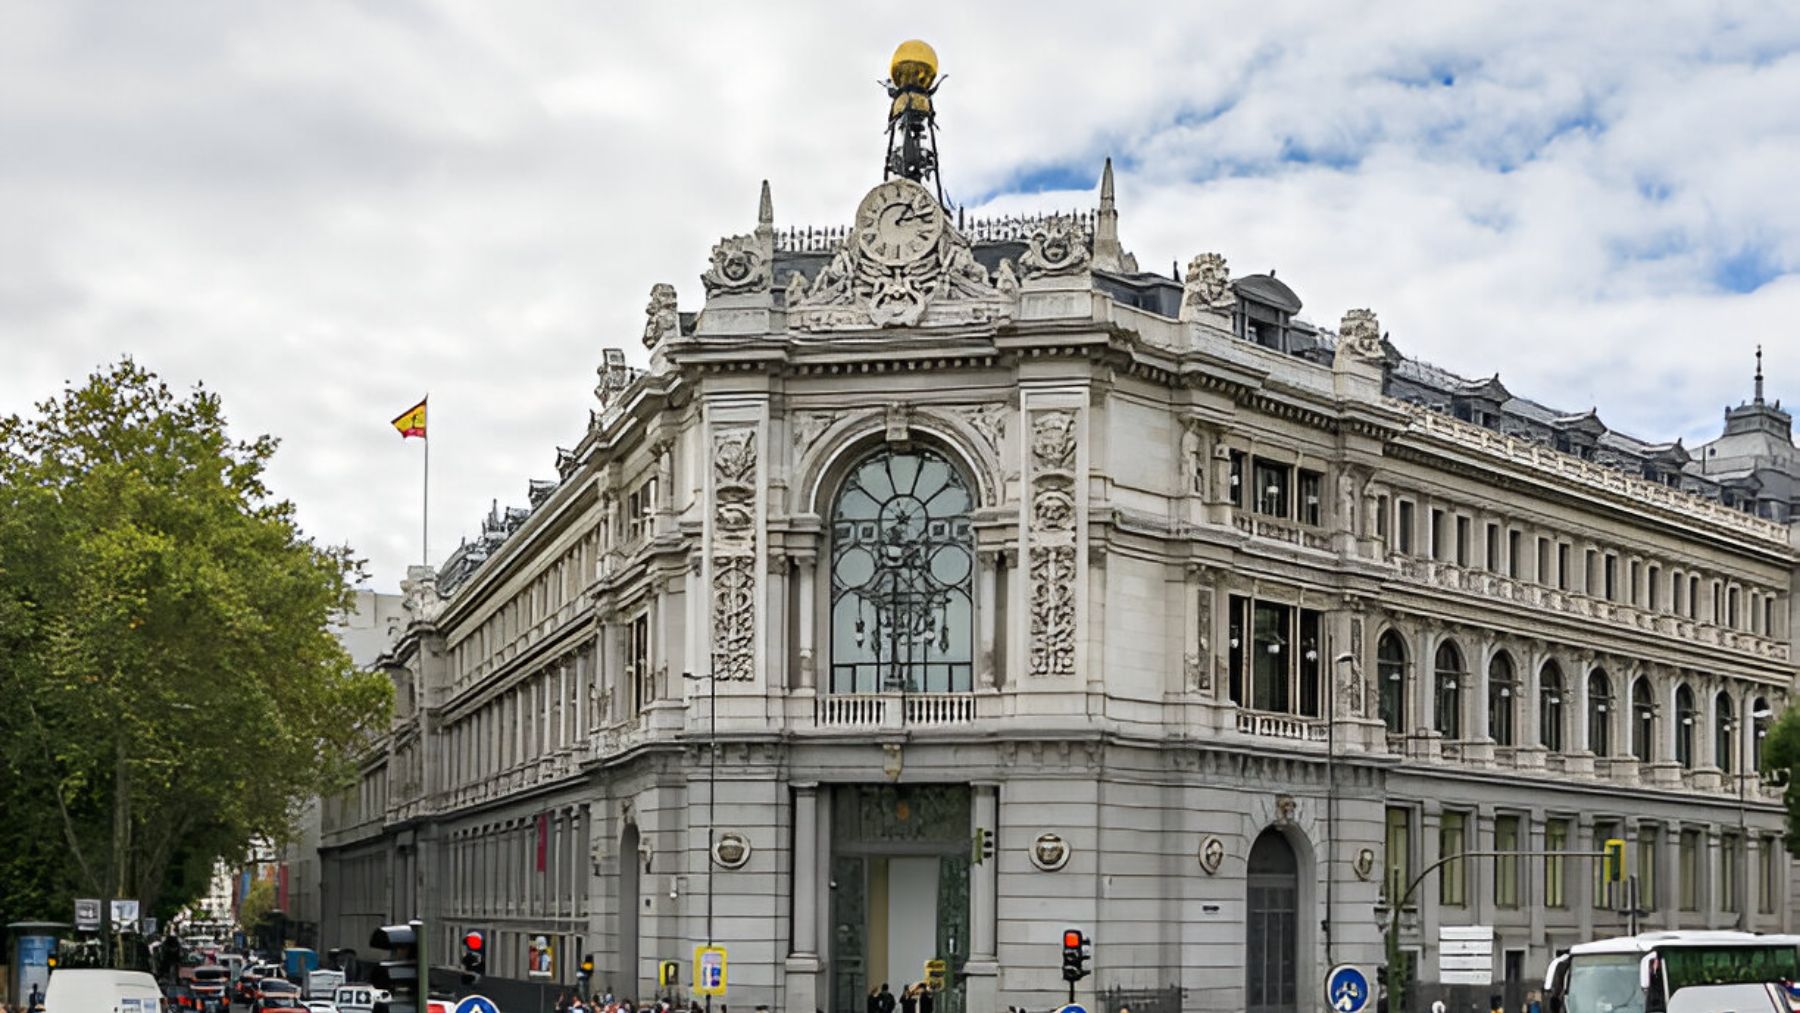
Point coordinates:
[(1747, 270)]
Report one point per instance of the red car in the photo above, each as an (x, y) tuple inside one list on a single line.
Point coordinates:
[(278, 993)]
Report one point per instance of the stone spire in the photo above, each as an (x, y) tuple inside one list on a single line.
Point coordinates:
[(765, 213), (1108, 254), (1759, 376)]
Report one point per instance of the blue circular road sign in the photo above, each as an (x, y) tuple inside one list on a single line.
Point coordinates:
[(1347, 989), (1073, 1007), (477, 1004)]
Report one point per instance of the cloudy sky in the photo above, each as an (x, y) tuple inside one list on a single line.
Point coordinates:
[(324, 210)]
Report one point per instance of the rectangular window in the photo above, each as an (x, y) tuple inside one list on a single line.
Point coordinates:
[(1646, 867), (1689, 857), (1562, 566), (1493, 548), (1731, 603), (640, 505), (643, 688), (1769, 616), (1463, 527), (1440, 535), (1405, 523), (1556, 838), (1512, 554), (1308, 662), (1506, 867), (1272, 647), (1453, 830), (1398, 875), (1381, 515), (1718, 602), (1635, 581), (1603, 832), (1239, 644), (1610, 577), (1729, 846), (1272, 482), (1312, 487), (1237, 479), (1655, 588)]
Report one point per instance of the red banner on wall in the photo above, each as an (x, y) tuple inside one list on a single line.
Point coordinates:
[(543, 844)]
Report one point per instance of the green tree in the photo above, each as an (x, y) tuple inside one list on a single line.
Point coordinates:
[(256, 906), (172, 686), (1780, 757)]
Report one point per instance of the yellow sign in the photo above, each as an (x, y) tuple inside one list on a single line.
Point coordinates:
[(668, 972), (709, 970), (1614, 863), (934, 974)]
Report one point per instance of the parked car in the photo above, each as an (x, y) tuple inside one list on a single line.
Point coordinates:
[(278, 988), (321, 1006), (358, 998), (249, 984)]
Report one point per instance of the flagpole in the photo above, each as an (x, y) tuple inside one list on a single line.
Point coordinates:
[(425, 494)]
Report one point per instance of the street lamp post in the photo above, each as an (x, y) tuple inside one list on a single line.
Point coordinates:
[(712, 787), (1742, 866)]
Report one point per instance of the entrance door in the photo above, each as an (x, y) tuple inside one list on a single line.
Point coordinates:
[(1271, 915), (625, 979)]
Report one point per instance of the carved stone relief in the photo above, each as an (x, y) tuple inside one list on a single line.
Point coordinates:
[(807, 427), (1058, 247), (737, 266), (990, 421), (1359, 336), (734, 554), (1052, 536), (1199, 672), (661, 321), (1208, 287)]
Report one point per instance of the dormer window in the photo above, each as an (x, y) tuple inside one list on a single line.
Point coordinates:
[(1265, 309)]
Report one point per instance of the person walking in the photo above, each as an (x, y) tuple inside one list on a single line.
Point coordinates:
[(884, 1002), (909, 999), (927, 999)]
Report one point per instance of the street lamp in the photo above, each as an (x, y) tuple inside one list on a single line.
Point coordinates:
[(1743, 871), (712, 786)]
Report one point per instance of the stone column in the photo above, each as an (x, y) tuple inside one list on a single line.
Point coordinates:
[(982, 970), (801, 978), (1480, 874), (1712, 850), (1668, 889), (1426, 896), (1535, 894), (808, 577)]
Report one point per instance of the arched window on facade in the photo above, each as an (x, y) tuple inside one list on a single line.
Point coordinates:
[(1600, 712), (902, 568), (1390, 668), (1448, 712), (1503, 691), (1684, 726), (1643, 721), (1550, 707), (1760, 714), (1724, 733)]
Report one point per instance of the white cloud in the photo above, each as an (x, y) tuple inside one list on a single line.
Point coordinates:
[(325, 210)]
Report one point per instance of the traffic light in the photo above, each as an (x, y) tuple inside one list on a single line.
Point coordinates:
[(585, 969), (474, 956), (1075, 955), (51, 961), (1613, 870), (983, 846), (401, 974), (668, 973)]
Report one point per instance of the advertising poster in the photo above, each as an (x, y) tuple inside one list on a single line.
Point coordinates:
[(34, 963), (540, 958)]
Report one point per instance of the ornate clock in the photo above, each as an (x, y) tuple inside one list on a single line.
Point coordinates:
[(898, 222)]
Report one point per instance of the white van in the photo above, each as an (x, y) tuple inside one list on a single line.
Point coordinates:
[(322, 984), (357, 998), (98, 990)]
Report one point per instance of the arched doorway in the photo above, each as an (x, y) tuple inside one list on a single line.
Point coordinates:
[(1272, 926), (625, 977)]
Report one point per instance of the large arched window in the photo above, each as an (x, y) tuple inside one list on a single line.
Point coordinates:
[(1550, 706), (1390, 668), (1643, 721), (902, 563), (1448, 717), (1503, 691), (1684, 726), (1724, 733), (1600, 712)]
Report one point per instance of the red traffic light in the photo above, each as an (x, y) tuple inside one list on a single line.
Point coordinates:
[(1072, 939), (474, 941)]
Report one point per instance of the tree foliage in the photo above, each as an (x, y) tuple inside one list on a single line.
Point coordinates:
[(257, 904), (172, 687), (1780, 756)]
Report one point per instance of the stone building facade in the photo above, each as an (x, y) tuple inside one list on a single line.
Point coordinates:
[(1224, 625)]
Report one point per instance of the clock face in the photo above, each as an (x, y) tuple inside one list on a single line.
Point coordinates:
[(898, 222)]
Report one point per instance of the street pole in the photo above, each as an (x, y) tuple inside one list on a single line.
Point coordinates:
[(712, 787)]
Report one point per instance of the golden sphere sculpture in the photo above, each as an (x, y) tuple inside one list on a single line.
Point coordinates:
[(912, 70)]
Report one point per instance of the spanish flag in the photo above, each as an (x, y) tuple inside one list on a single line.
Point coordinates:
[(412, 422)]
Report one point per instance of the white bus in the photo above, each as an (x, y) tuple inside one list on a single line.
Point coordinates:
[(1675, 972)]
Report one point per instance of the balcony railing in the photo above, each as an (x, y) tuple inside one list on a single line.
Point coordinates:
[(1280, 726), (1439, 573), (892, 710)]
